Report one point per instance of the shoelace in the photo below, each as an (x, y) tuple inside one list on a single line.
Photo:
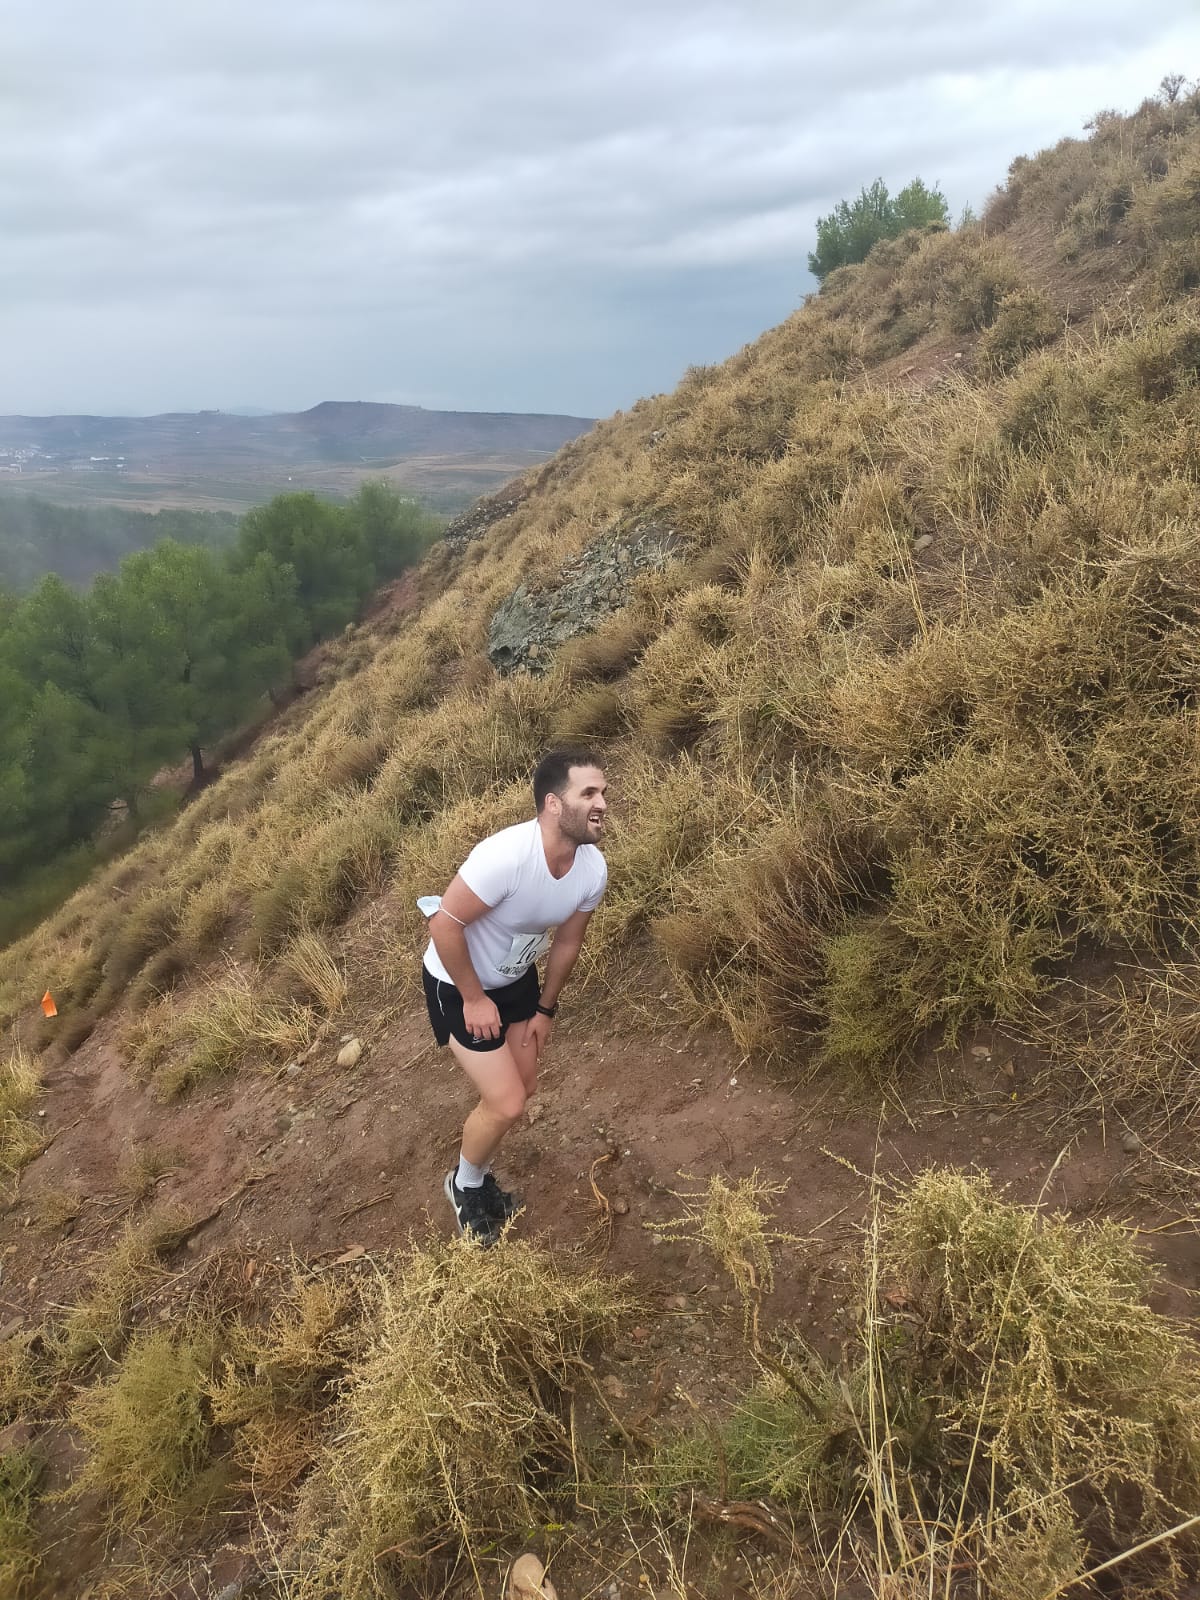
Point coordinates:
[(498, 1199)]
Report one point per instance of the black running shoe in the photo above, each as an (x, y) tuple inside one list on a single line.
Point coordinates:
[(471, 1212), (501, 1205)]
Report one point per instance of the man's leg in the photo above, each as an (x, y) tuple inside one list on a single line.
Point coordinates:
[(501, 1076), (525, 1055)]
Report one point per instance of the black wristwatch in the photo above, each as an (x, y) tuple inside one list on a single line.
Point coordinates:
[(547, 1011)]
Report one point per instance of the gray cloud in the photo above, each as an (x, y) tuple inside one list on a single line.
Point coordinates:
[(534, 206)]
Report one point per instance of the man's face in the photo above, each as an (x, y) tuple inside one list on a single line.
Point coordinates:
[(582, 805)]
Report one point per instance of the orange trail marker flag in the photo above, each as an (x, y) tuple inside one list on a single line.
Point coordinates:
[(49, 1009)]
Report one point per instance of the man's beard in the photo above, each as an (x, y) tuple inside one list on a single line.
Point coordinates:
[(574, 824)]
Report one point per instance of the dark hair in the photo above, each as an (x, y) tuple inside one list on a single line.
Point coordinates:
[(553, 772)]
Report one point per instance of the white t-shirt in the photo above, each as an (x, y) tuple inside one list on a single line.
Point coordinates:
[(509, 873)]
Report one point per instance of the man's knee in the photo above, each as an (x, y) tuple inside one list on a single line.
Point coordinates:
[(508, 1103)]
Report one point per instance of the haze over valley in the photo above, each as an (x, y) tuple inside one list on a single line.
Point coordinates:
[(223, 461)]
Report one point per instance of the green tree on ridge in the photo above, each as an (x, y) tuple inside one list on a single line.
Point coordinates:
[(852, 229)]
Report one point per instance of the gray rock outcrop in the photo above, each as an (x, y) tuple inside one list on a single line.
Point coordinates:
[(529, 626)]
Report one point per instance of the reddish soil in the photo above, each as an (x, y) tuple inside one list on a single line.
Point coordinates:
[(330, 1161)]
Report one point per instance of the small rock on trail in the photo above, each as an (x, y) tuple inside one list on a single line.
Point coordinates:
[(528, 1580)]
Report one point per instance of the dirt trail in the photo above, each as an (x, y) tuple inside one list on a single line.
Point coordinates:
[(330, 1162), (328, 1158)]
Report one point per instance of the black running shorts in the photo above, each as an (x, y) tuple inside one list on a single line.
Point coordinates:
[(516, 1002)]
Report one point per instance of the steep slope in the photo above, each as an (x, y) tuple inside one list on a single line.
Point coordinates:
[(902, 733)]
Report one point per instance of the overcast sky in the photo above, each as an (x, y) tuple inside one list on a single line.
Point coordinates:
[(525, 205)]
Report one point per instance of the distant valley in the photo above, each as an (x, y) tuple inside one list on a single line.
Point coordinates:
[(221, 461)]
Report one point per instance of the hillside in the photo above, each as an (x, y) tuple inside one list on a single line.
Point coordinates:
[(861, 1249), (217, 460)]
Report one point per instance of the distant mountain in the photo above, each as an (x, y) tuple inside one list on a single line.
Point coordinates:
[(220, 459), (334, 431)]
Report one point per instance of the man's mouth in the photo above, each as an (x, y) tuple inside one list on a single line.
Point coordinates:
[(596, 818)]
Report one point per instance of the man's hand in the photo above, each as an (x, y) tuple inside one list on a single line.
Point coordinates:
[(537, 1032), (482, 1017)]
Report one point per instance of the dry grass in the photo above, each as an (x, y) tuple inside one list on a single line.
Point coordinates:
[(908, 726), (139, 1171), (24, 1379), (1129, 1042), (855, 781), (733, 1222), (55, 1208), (20, 1140), (147, 1428), (457, 1422), (273, 1381), (97, 1326), (309, 962), (233, 1019), (1017, 1411), (20, 1471)]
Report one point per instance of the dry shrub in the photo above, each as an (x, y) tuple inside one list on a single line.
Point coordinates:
[(24, 1380), (159, 976), (20, 1471), (97, 1325), (1073, 1406), (274, 1380), (206, 915), (354, 760), (591, 713), (669, 696), (1017, 1408), (454, 1425), (962, 277), (309, 963), (19, 1138), (916, 776), (873, 997), (147, 1428), (139, 1171), (344, 856), (148, 1036), (665, 818), (76, 1028), (231, 1020), (1132, 1042), (136, 934), (1101, 210), (56, 1208), (733, 1222), (747, 929), (1025, 321)]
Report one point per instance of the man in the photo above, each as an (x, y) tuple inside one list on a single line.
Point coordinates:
[(480, 971)]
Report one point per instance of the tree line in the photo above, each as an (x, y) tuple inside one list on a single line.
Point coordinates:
[(77, 542), (101, 688)]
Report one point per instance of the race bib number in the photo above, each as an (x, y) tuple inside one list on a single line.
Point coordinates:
[(525, 950)]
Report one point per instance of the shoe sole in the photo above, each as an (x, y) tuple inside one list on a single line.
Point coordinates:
[(448, 1191)]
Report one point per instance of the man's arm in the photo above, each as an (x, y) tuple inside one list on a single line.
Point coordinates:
[(461, 906), (564, 952)]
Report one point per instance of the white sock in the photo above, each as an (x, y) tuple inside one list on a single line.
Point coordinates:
[(468, 1176)]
